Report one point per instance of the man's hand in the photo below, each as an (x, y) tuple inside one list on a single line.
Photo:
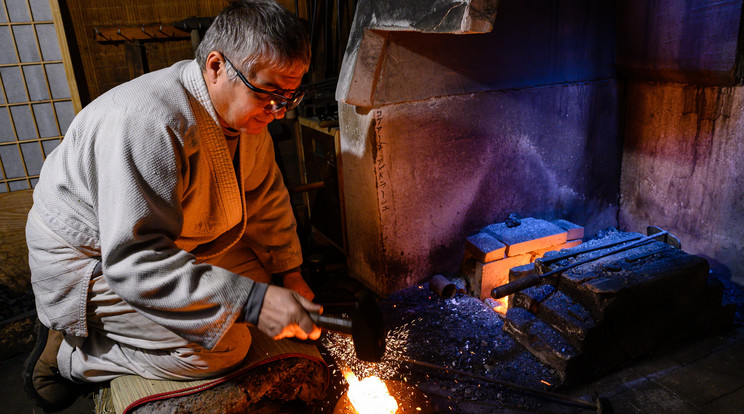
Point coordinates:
[(284, 314), (293, 280)]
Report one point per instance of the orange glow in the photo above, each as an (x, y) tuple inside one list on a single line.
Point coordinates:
[(370, 395), (545, 382), (501, 305)]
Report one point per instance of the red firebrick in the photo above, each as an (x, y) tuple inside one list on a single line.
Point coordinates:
[(531, 234), (567, 245), (496, 273), (484, 247), (574, 230)]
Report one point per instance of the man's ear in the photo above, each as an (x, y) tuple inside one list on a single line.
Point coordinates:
[(214, 64)]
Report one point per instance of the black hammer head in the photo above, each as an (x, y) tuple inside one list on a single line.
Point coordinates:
[(367, 330)]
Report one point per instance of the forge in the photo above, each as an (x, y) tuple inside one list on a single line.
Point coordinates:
[(454, 115), (598, 316), (663, 321), (475, 143), (586, 122)]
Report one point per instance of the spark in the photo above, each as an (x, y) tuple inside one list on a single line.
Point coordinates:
[(341, 349)]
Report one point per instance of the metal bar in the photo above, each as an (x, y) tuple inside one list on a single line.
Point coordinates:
[(543, 394), (638, 243), (532, 280), (558, 258), (307, 187)]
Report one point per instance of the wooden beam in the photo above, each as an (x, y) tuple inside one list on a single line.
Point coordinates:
[(116, 34), (66, 57)]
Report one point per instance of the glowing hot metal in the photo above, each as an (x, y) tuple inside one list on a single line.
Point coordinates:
[(370, 395)]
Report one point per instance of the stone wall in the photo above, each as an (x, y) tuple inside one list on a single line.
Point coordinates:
[(684, 130), (443, 134), (420, 177), (682, 168)]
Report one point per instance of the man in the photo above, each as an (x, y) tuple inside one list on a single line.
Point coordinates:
[(161, 217)]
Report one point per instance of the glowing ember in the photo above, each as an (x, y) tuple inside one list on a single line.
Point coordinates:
[(370, 395), (499, 305), (341, 348), (502, 306)]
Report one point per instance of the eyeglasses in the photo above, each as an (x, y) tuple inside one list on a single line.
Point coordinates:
[(277, 102)]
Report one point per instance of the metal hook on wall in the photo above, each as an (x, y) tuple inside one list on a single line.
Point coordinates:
[(101, 34), (160, 29), (147, 34), (118, 31)]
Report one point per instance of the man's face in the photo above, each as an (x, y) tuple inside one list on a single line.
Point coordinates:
[(240, 108)]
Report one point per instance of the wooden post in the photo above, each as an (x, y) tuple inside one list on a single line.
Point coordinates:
[(66, 57)]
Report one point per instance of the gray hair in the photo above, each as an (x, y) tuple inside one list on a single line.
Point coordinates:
[(256, 34)]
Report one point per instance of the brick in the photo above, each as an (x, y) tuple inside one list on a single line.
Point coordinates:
[(484, 277), (567, 245), (484, 247), (570, 319), (574, 230), (531, 297), (544, 342), (496, 273), (521, 271), (471, 272), (531, 234), (497, 305), (518, 272)]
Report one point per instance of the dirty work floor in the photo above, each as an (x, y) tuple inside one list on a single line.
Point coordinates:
[(701, 377), (704, 377), (14, 400), (698, 377)]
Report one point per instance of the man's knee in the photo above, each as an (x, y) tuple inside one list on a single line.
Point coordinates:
[(99, 358), (230, 351)]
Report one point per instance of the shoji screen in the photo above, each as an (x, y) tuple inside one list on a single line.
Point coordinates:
[(35, 103)]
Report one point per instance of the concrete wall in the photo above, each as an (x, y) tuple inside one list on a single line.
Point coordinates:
[(682, 168), (684, 128), (422, 176), (455, 132), (694, 41)]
